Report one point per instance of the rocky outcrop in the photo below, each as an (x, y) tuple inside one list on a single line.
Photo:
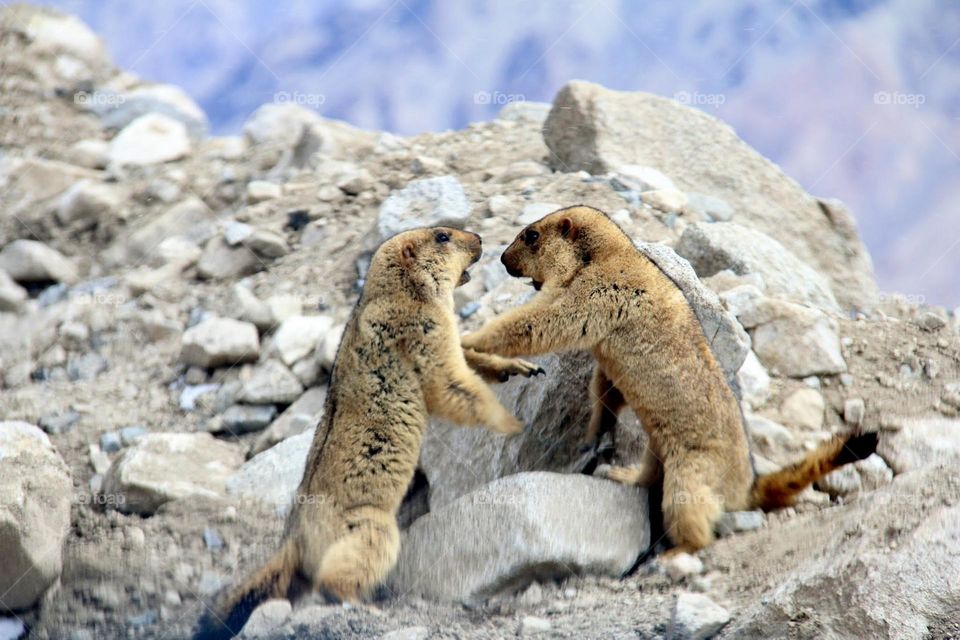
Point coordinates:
[(599, 130)]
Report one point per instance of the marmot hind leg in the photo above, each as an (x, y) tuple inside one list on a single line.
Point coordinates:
[(690, 508), (358, 562), (645, 475)]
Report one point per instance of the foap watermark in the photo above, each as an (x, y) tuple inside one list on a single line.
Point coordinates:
[(497, 98), (99, 99), (698, 498), (899, 98), (697, 99), (300, 98), (96, 499), (99, 298), (495, 498)]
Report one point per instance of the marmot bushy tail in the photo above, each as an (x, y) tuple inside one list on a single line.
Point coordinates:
[(598, 293), (234, 607), (779, 489), (399, 362)]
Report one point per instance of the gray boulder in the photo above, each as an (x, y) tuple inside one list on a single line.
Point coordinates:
[(271, 383), (599, 130), (35, 496), (219, 341), (530, 526), (714, 247), (274, 475)]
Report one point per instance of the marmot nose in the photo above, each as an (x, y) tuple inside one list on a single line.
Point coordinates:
[(508, 263)]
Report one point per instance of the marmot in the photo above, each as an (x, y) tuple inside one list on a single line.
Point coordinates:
[(599, 293), (399, 361)]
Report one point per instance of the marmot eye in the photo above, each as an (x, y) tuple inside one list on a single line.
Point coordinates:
[(443, 237), (531, 236)]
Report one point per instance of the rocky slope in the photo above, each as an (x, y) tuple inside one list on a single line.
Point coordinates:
[(170, 304)]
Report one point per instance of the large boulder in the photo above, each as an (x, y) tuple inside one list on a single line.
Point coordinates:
[(714, 247), (35, 496), (599, 130), (888, 564), (530, 526), (162, 467)]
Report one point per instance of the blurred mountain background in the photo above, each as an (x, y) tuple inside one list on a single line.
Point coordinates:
[(856, 99)]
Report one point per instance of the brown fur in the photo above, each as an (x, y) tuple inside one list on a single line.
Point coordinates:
[(399, 361), (598, 293)]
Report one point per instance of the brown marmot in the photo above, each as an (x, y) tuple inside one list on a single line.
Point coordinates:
[(399, 361), (599, 293)]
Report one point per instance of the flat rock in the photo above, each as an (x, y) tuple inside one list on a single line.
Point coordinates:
[(424, 203), (152, 138), (298, 336), (797, 341), (921, 442), (271, 383), (35, 498), (162, 467), (220, 261), (303, 414), (219, 341), (529, 526), (31, 261), (242, 418), (804, 409), (599, 130)]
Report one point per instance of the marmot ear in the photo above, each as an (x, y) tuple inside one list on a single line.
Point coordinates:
[(567, 230), (407, 254)]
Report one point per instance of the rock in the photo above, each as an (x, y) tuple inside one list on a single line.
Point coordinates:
[(798, 341), (303, 414), (284, 306), (271, 383), (714, 247), (298, 336), (666, 200), (274, 475), (732, 522), (424, 203), (152, 138), (57, 34), (110, 442), (460, 551), (921, 442), (327, 350), (220, 341), (60, 423), (89, 203), (131, 434), (190, 219), (842, 482), (681, 565), (266, 619), (86, 367), (220, 261), (931, 321), (28, 261), (260, 190), (279, 124), (117, 110), (409, 633), (140, 479), (885, 564), (532, 625), (236, 232), (35, 496), (251, 309), (709, 207), (854, 410), (754, 381), (267, 244), (767, 431), (696, 617), (536, 210), (524, 111), (12, 296), (91, 154), (598, 130), (240, 419), (874, 472), (727, 339), (804, 409), (639, 178)]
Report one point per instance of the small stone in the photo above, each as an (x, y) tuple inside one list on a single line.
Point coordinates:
[(469, 309), (271, 383), (220, 261), (192, 392), (236, 232), (737, 521), (28, 261), (931, 321), (134, 538), (812, 381), (842, 482), (130, 435), (267, 244), (426, 202), (696, 617), (57, 424), (260, 190), (640, 178), (532, 625), (220, 341), (804, 409), (298, 336), (500, 206), (766, 430), (210, 583), (152, 138), (409, 633), (682, 565), (266, 619), (240, 419), (92, 153), (854, 410), (846, 379), (212, 539), (754, 381), (110, 442), (666, 200), (709, 207), (171, 598), (89, 203), (12, 296)]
